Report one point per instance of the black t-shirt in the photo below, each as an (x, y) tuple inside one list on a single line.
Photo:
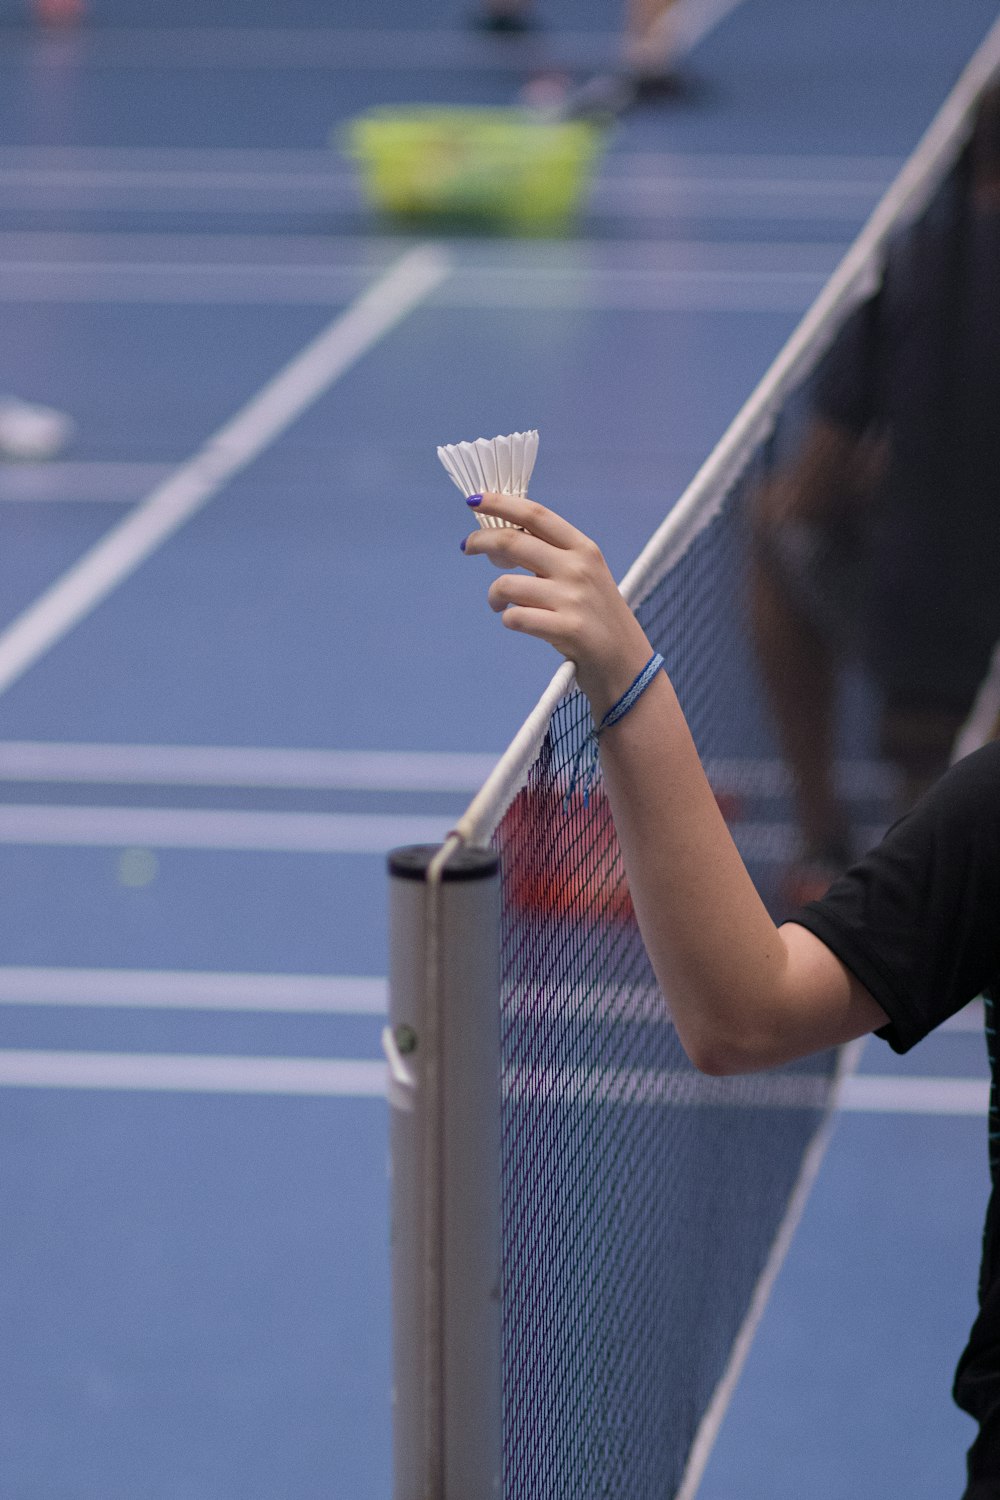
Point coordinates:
[(918, 919), (918, 922)]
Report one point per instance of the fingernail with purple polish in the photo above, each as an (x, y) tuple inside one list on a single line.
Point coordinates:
[(474, 500), (463, 542)]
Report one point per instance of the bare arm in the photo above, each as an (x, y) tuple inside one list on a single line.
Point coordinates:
[(744, 994)]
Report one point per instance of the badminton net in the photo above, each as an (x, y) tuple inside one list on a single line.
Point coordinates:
[(645, 1207)]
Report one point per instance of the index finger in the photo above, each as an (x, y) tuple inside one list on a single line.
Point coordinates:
[(530, 516)]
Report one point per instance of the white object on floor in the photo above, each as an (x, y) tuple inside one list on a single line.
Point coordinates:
[(30, 431)]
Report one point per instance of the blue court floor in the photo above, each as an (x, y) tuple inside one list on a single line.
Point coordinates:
[(241, 657)]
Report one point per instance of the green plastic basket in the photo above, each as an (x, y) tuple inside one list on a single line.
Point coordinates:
[(498, 166)]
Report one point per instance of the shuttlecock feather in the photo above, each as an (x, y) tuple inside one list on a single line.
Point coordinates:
[(500, 466)]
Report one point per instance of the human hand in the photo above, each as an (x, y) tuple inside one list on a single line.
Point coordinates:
[(568, 596)]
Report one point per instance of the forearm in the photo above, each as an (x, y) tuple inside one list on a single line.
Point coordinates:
[(743, 993), (716, 952)]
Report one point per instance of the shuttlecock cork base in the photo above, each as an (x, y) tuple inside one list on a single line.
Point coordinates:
[(499, 466)]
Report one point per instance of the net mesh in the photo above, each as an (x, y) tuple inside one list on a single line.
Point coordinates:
[(641, 1200)]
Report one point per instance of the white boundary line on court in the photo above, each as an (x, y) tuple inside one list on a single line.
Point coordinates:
[(337, 994), (243, 166), (596, 290), (235, 445), (638, 174), (189, 989), (654, 201), (217, 830), (192, 1073), (423, 771), (201, 1073), (871, 1093), (355, 770), (363, 257), (970, 1019), (65, 825)]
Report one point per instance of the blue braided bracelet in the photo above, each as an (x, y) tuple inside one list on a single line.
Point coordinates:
[(586, 760)]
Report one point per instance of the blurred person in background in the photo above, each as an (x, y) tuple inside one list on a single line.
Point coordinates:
[(879, 542), (648, 62), (58, 12)]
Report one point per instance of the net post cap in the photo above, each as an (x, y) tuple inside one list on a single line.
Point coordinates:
[(470, 862)]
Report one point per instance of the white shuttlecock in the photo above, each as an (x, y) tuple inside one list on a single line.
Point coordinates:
[(500, 465)]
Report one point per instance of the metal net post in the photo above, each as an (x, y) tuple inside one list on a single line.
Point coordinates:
[(443, 1048)]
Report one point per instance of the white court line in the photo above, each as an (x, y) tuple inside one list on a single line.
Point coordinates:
[(868, 1093), (262, 166), (793, 197), (809, 168), (219, 830), (617, 275), (177, 284), (360, 1078), (650, 182), (191, 179), (245, 766), (656, 201), (62, 825), (685, 1089), (861, 780), (645, 184), (968, 1020), (193, 1074), (358, 770), (623, 174), (365, 256), (597, 291), (232, 448), (184, 989), (335, 994), (191, 989)]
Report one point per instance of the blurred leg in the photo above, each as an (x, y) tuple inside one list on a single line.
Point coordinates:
[(799, 671), (649, 39), (58, 12)]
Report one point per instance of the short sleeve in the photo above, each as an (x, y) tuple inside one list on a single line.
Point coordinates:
[(917, 921)]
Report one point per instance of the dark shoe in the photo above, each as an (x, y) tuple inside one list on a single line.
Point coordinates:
[(503, 23), (655, 88), (600, 98), (611, 94)]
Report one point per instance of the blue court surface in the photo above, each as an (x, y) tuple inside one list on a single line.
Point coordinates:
[(241, 657)]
